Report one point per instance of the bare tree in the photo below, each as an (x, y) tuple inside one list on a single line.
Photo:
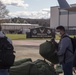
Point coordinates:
[(3, 11)]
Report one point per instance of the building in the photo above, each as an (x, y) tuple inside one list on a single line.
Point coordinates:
[(17, 27), (63, 17)]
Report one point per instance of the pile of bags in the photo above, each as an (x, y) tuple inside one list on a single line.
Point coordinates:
[(39, 67), (27, 67)]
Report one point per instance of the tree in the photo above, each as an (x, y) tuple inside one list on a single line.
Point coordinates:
[(3, 11)]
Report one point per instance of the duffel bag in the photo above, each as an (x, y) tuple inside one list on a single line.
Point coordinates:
[(48, 51)]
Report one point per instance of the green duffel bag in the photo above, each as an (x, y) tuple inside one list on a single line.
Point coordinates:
[(48, 51), (20, 66), (41, 67), (22, 69), (27, 68), (19, 62), (38, 67)]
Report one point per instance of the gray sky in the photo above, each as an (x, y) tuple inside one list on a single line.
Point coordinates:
[(31, 8)]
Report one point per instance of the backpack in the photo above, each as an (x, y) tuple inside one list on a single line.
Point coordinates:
[(7, 56), (74, 50), (73, 40)]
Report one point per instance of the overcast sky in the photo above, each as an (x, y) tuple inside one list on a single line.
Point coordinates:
[(31, 8)]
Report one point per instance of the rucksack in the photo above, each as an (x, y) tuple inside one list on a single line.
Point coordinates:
[(74, 50), (73, 44), (73, 40), (7, 56)]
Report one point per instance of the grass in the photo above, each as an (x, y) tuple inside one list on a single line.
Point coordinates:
[(23, 37), (16, 36)]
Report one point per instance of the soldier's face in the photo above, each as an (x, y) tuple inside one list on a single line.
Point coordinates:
[(59, 32)]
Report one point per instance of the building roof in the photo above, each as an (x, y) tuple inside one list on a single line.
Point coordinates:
[(73, 9), (19, 24)]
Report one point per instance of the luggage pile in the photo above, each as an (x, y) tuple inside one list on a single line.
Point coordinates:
[(39, 67), (27, 67)]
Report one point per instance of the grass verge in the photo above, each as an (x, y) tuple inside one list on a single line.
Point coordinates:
[(16, 36), (23, 37)]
